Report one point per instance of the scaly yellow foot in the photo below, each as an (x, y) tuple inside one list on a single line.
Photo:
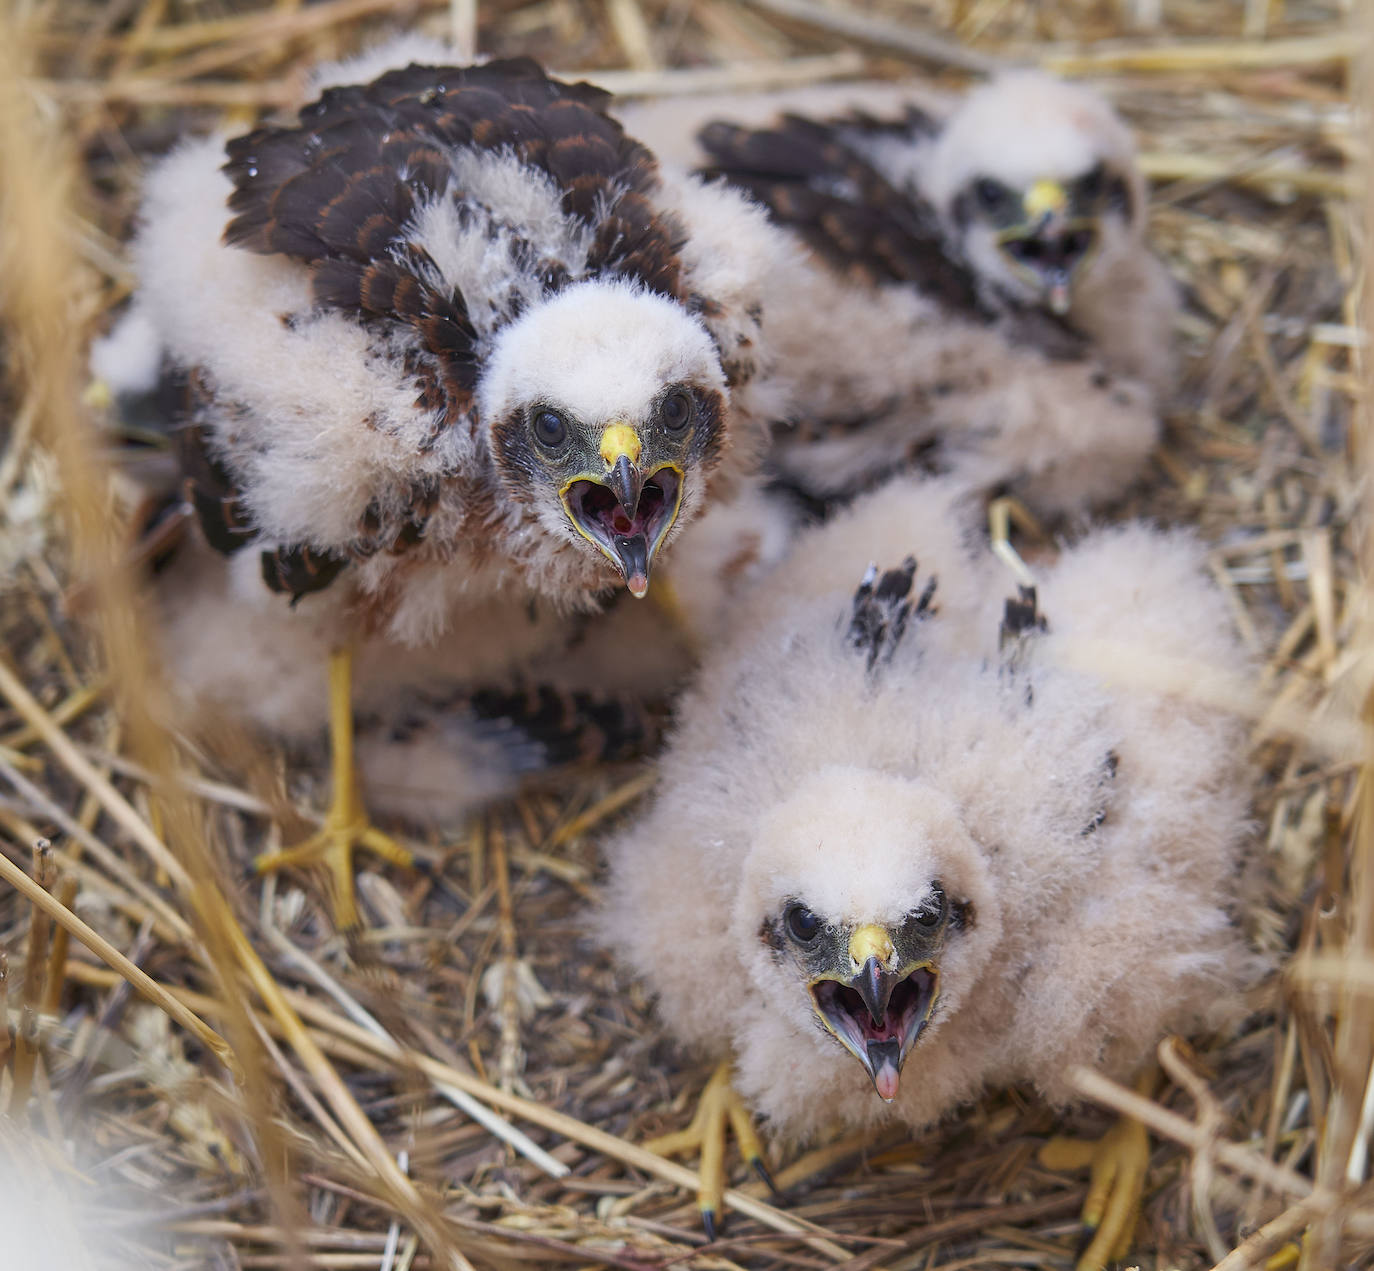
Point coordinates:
[(718, 1105), (1118, 1164), (346, 826)]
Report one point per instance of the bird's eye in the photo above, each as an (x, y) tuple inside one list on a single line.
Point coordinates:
[(992, 195), (550, 429), (932, 912), (676, 411), (1091, 185), (802, 925)]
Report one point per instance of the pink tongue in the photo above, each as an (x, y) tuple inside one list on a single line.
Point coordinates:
[(885, 1080)]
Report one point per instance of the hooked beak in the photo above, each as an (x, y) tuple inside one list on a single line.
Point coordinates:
[(1050, 244), (622, 513), (626, 481), (878, 1013)]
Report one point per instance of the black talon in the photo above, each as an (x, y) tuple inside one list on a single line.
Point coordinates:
[(1085, 1237), (762, 1171), (708, 1222)]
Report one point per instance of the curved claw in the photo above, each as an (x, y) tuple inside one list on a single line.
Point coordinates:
[(346, 826), (764, 1173), (1118, 1164), (718, 1107), (1115, 1188)]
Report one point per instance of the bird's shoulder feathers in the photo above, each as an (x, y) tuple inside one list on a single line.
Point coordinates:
[(339, 190)]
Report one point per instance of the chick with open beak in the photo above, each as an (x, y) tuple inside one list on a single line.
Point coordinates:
[(872, 987), (626, 510), (607, 413), (1049, 232)]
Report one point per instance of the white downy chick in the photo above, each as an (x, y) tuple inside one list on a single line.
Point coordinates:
[(904, 847)]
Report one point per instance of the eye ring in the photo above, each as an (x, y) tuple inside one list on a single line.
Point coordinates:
[(676, 410), (550, 429), (802, 925), (932, 912), (991, 195)]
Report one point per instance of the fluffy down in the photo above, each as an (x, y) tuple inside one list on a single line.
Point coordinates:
[(231, 649), (53, 1215), (409, 328), (1087, 836), (926, 339), (364, 375)]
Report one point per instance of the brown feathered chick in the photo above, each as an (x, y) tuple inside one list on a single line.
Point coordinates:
[(459, 363), (990, 292), (450, 335)]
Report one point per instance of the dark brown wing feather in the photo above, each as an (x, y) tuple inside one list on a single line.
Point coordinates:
[(911, 126), (289, 569), (844, 208), (227, 526), (208, 482), (298, 571), (337, 190), (569, 726), (812, 180)]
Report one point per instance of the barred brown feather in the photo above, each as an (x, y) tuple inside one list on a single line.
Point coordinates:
[(337, 190), (209, 484), (812, 180), (571, 726), (841, 205), (298, 571)]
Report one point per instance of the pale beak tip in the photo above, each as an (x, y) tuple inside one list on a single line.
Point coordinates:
[(885, 1082), (638, 586)]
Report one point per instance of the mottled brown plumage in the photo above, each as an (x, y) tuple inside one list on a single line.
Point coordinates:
[(345, 192), (815, 182), (337, 190), (844, 209)]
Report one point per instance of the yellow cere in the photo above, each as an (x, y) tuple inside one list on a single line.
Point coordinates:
[(1045, 198), (870, 941), (617, 440)]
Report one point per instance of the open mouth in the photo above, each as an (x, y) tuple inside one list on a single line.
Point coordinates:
[(1052, 259), (630, 540), (1063, 251), (880, 1044)]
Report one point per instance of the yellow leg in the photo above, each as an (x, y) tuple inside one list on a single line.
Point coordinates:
[(1118, 1163), (345, 825), (1001, 515), (1288, 1256), (719, 1105)]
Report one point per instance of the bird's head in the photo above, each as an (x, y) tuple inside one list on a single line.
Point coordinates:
[(861, 889), (605, 406), (1038, 185)]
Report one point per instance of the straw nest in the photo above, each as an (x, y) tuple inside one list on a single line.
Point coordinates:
[(237, 1089)]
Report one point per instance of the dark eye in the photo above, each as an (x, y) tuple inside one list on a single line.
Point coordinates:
[(676, 411), (802, 925), (1092, 184), (991, 195), (930, 914), (550, 429)]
